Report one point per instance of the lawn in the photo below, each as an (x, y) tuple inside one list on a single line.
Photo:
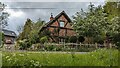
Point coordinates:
[(100, 57)]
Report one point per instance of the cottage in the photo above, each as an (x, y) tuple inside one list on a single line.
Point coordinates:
[(9, 36), (59, 27)]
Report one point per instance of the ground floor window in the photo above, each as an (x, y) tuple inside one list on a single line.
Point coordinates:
[(61, 40)]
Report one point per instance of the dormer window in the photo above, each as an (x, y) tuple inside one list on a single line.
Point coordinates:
[(61, 24)]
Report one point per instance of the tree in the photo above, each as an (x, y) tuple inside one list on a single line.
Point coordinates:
[(1, 39), (113, 11), (34, 34), (26, 30), (91, 24), (30, 34), (3, 16), (99, 23)]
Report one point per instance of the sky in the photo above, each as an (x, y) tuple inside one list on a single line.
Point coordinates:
[(20, 11)]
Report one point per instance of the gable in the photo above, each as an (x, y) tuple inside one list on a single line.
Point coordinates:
[(54, 25), (64, 20)]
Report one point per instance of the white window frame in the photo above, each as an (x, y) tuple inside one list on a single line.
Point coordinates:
[(62, 24)]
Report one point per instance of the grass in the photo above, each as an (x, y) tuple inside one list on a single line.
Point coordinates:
[(100, 57), (0, 58)]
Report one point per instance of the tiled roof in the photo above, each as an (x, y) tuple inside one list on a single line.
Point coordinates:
[(9, 33), (51, 21)]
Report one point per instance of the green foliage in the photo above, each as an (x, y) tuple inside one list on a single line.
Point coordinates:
[(44, 39), (26, 31), (112, 8), (91, 23), (97, 22), (81, 39), (34, 34), (100, 57), (45, 33), (31, 32), (1, 39), (24, 44), (116, 39), (67, 39), (49, 48), (73, 39), (3, 16)]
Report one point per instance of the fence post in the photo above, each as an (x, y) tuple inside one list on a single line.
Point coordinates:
[(80, 44), (110, 45), (96, 45), (104, 45)]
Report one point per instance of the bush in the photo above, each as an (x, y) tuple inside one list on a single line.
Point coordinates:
[(116, 39), (81, 39), (24, 44), (1, 39), (66, 39), (49, 47), (44, 39), (73, 39)]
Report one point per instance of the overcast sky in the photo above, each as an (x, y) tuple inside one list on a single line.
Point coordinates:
[(20, 11)]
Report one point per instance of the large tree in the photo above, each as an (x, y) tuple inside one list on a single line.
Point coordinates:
[(34, 36), (99, 22), (29, 34), (113, 10), (91, 24), (26, 30), (3, 16), (3, 21)]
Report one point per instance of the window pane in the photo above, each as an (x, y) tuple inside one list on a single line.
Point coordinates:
[(61, 24)]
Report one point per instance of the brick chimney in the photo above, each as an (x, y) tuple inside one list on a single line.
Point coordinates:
[(51, 18)]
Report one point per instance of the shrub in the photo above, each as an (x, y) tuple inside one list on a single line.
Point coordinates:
[(116, 39), (1, 39), (49, 47), (81, 39), (66, 39), (73, 39), (24, 44), (44, 39)]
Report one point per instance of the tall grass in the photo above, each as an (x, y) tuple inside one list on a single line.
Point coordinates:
[(100, 57)]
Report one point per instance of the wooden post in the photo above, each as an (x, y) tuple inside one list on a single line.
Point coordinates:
[(104, 44), (110, 45), (96, 45)]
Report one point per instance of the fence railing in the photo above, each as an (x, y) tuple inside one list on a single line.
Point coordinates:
[(65, 47), (84, 45)]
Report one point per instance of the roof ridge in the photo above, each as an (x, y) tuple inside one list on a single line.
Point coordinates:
[(56, 17)]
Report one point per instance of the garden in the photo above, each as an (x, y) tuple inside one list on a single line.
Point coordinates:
[(99, 57), (97, 30)]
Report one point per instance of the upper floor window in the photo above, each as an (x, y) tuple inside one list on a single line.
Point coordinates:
[(61, 24)]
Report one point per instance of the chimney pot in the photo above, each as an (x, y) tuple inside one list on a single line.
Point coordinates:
[(51, 18)]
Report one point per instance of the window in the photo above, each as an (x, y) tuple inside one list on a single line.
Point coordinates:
[(61, 24)]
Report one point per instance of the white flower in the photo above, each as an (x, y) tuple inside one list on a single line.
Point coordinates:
[(21, 54), (36, 63), (32, 61), (7, 57)]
